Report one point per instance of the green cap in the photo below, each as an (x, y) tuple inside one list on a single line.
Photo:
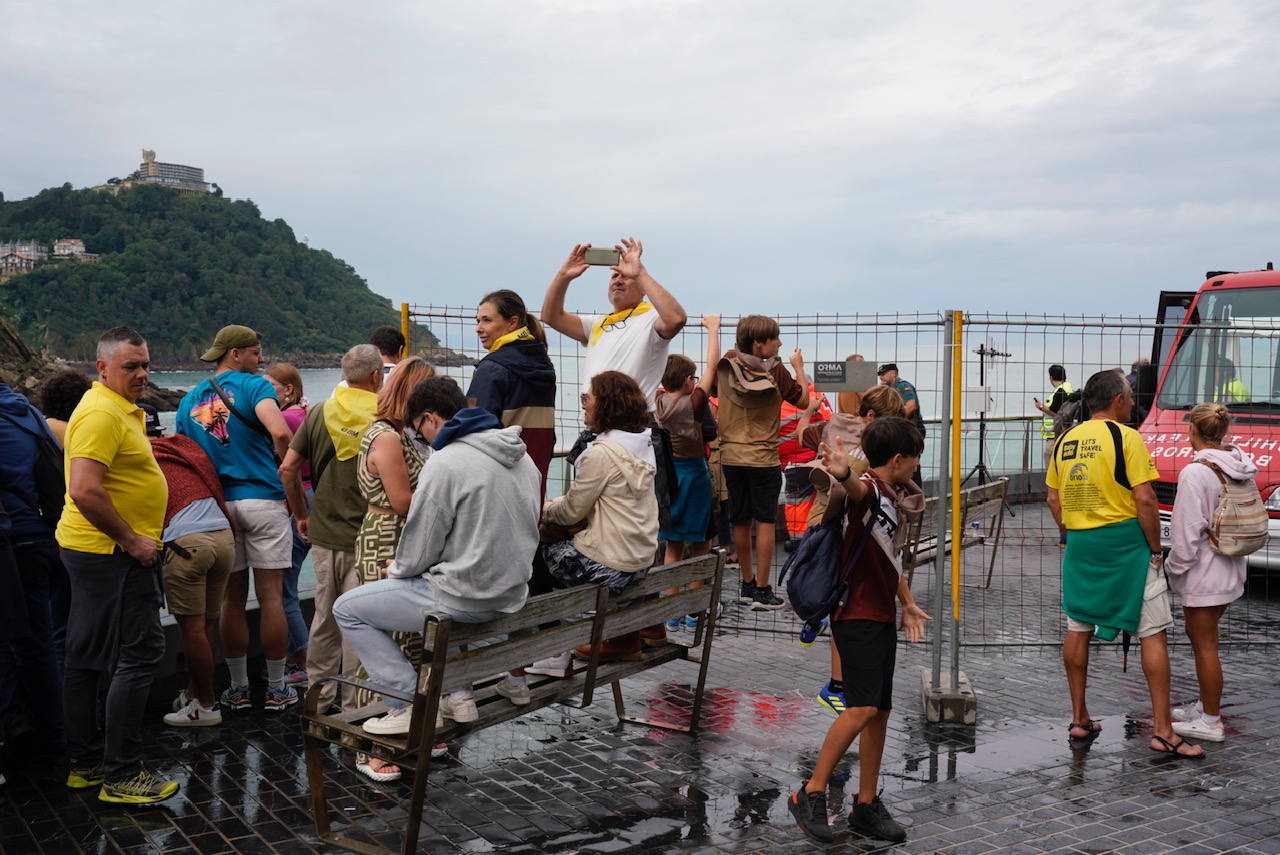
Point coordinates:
[(229, 337)]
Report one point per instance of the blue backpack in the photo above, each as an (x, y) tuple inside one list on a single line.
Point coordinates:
[(816, 583)]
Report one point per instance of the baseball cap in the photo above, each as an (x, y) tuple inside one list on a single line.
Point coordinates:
[(229, 337), (888, 366)]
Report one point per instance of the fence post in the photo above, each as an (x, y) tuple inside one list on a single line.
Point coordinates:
[(944, 479), (957, 465), (404, 328)]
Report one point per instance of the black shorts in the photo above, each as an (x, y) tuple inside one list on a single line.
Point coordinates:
[(868, 652), (753, 493)]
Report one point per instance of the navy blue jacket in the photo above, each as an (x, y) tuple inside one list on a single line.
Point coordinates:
[(517, 383), (17, 466)]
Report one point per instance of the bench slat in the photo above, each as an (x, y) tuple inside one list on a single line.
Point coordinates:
[(474, 665), (544, 608), (700, 569)]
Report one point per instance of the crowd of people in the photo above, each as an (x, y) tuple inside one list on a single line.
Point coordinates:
[(413, 496)]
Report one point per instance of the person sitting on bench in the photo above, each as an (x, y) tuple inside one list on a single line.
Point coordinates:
[(466, 550)]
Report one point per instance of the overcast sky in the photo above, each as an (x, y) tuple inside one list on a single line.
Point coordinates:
[(775, 157)]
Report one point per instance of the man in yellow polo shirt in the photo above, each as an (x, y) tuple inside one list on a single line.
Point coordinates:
[(110, 538), (1099, 482)]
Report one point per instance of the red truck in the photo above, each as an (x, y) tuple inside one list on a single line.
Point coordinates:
[(1220, 343)]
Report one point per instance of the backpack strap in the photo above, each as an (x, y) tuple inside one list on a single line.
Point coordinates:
[(872, 513), (1217, 470), (256, 427), (1121, 476)]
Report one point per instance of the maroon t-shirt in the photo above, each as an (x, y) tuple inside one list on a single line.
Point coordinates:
[(873, 581)]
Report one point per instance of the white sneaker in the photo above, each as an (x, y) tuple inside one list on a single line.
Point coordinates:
[(459, 706), (517, 693), (1188, 713), (392, 724), (1198, 728), (193, 715), (559, 666)]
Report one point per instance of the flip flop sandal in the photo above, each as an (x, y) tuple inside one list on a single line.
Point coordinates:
[(1093, 726), (1171, 749), (375, 775)]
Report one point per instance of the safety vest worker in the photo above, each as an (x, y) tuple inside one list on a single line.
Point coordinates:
[(1046, 424)]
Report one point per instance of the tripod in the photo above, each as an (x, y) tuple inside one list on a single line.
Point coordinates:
[(980, 468)]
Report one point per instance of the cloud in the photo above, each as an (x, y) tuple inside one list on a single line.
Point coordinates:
[(774, 157)]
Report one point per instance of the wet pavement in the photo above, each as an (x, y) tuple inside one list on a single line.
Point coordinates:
[(576, 781)]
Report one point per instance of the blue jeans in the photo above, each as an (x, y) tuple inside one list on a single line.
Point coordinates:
[(367, 613), (293, 608)]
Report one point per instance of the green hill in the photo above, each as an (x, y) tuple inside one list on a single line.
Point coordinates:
[(177, 267)]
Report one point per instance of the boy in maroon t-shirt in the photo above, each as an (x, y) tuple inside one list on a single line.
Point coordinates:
[(863, 629)]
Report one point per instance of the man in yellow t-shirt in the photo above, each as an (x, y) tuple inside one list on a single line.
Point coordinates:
[(1099, 483), (110, 538)]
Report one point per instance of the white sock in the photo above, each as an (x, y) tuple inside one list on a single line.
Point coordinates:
[(1200, 708), (239, 668), (461, 694), (515, 681), (275, 674), (1210, 719)]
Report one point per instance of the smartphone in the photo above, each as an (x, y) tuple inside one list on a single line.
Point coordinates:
[(601, 256)]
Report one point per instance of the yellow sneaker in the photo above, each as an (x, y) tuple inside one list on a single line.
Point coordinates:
[(80, 779), (142, 789)]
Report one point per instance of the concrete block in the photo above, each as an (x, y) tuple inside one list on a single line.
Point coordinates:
[(944, 705)]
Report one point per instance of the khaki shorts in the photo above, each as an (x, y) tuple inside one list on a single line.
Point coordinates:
[(1157, 614), (264, 534), (195, 585)]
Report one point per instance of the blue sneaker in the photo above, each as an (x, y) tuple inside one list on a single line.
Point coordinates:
[(235, 698), (833, 701), (810, 633), (690, 622), (673, 625)]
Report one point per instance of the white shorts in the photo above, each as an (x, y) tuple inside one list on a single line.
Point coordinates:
[(264, 537), (1157, 614)]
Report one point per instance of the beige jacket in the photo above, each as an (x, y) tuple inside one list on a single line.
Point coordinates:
[(613, 494)]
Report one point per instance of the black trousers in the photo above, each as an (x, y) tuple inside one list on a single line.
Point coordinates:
[(114, 643)]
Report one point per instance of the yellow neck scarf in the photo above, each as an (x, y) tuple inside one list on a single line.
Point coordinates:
[(615, 317), (521, 334), (346, 415)]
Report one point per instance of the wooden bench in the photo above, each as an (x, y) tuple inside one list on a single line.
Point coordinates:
[(981, 522), (585, 615)]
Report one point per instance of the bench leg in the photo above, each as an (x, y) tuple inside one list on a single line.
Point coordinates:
[(312, 749)]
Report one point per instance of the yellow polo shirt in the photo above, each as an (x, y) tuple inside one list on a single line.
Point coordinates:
[(1083, 472), (111, 430)]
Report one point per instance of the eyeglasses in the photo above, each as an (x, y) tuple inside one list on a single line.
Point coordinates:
[(620, 323)]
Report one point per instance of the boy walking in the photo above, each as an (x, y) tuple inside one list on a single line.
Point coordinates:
[(885, 499), (752, 383)]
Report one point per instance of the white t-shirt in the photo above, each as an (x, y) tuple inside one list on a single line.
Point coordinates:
[(634, 348)]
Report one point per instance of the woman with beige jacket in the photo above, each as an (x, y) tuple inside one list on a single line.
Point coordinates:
[(604, 530)]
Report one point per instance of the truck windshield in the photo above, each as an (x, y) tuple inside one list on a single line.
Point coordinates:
[(1237, 364)]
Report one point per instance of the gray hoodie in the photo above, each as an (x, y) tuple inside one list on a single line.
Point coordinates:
[(472, 527), (1201, 576)]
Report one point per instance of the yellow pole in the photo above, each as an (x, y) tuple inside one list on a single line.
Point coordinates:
[(404, 327), (957, 464)]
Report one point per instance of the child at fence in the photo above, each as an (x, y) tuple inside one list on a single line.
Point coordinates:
[(847, 425), (680, 406), (752, 383), (864, 627)]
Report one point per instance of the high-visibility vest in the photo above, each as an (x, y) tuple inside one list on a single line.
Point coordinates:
[(1046, 424)]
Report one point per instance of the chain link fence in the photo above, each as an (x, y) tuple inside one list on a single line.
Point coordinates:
[(1010, 592)]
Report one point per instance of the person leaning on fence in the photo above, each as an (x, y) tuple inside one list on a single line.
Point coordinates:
[(1206, 580), (604, 529), (238, 424), (110, 537), (516, 380), (752, 383), (1100, 488), (876, 402), (864, 628), (329, 439), (466, 549)]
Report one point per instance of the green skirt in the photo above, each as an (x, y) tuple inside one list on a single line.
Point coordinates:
[(1104, 571)]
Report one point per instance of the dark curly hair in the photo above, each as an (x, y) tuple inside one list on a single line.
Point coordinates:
[(620, 405), (61, 392)]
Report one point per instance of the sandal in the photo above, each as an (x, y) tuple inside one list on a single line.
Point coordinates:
[(382, 776), (1092, 728), (1171, 748)]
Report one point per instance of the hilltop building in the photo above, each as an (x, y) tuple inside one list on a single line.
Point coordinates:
[(63, 247), (32, 249), (176, 176)]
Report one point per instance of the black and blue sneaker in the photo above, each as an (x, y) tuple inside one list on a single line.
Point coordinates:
[(810, 632), (831, 699)]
